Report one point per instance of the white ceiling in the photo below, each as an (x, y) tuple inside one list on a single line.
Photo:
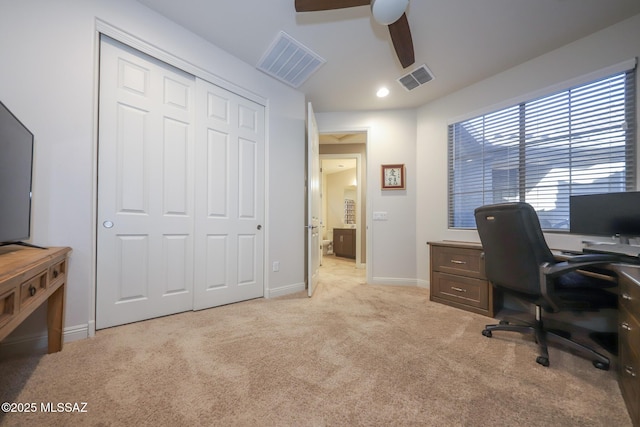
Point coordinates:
[(344, 138), (331, 166), (461, 41)]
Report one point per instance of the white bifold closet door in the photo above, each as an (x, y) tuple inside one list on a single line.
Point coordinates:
[(230, 207), (180, 191)]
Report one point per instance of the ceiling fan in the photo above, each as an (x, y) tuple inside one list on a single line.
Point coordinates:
[(385, 12)]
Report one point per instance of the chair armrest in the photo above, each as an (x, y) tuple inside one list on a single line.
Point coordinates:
[(549, 271), (595, 258), (575, 263)]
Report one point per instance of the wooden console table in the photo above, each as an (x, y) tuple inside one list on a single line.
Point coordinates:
[(28, 278)]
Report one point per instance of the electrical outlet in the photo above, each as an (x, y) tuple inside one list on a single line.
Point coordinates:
[(276, 265)]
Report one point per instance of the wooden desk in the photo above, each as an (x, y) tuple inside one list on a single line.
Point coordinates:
[(629, 338), (457, 279), (28, 278)]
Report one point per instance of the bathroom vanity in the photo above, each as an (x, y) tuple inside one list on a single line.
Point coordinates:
[(344, 242)]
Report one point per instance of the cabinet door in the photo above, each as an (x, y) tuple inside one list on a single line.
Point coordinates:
[(344, 243), (338, 242), (349, 246)]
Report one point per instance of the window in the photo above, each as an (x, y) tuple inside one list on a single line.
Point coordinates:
[(578, 141)]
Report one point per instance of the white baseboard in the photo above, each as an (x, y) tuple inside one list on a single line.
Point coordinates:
[(75, 333), (91, 328), (424, 284), (286, 290), (38, 343)]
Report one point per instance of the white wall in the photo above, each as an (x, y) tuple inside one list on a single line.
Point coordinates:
[(48, 79), (601, 50), (391, 244)]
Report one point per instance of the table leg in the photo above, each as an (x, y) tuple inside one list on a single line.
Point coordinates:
[(55, 319)]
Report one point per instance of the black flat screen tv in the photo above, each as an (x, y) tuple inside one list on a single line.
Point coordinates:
[(16, 162), (607, 214)]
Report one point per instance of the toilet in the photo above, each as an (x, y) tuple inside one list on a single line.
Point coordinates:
[(327, 247)]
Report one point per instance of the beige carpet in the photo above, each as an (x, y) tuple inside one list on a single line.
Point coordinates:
[(355, 354)]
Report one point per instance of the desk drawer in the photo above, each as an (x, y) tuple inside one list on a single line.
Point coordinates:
[(629, 331), (462, 290), (32, 288), (8, 298), (629, 294), (629, 339), (462, 261), (630, 382), (58, 271)]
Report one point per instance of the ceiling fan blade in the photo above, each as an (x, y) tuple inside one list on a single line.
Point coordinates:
[(315, 5), (402, 41)]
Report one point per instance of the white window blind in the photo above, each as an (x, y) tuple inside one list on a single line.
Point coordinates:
[(577, 141)]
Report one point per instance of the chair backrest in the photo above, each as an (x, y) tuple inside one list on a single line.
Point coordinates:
[(514, 246)]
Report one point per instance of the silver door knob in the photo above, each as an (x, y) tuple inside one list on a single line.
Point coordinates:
[(107, 224)]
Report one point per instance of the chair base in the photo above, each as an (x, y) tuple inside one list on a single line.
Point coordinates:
[(542, 336)]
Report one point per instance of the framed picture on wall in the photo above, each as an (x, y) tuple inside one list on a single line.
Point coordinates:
[(393, 177)]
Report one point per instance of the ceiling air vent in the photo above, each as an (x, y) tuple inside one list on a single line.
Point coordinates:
[(417, 77), (289, 61)]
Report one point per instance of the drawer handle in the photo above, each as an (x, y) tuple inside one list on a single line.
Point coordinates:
[(32, 290), (458, 289), (629, 370), (626, 296), (455, 261), (56, 273), (625, 326)]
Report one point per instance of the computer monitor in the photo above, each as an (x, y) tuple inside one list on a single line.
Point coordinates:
[(607, 214)]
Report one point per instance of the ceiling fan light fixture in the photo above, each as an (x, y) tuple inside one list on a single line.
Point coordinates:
[(387, 12)]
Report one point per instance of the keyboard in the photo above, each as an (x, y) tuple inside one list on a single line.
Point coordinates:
[(613, 248)]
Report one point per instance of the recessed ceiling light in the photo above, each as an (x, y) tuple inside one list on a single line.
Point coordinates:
[(382, 92)]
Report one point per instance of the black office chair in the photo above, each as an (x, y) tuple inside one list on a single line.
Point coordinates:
[(519, 262)]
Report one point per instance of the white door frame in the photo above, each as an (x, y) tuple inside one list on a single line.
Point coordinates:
[(360, 178), (102, 27), (370, 178)]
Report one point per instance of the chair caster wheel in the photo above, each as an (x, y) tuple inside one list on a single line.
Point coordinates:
[(486, 333), (544, 361), (601, 365)]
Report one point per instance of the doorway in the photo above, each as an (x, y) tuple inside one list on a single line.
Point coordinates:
[(344, 187)]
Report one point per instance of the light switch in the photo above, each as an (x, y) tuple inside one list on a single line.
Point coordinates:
[(379, 216)]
